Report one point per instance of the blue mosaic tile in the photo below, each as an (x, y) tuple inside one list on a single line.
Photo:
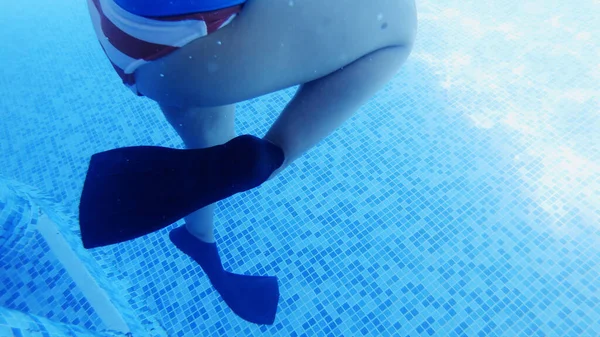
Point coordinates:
[(44, 205), (32, 280), (19, 324), (463, 200)]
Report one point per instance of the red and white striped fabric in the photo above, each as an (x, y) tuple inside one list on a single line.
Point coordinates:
[(130, 40)]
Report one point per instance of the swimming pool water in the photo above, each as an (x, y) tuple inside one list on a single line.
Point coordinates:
[(463, 200)]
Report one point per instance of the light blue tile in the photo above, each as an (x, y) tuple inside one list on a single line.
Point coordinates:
[(462, 200)]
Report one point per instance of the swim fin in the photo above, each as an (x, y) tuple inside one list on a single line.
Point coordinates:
[(133, 191), (253, 298)]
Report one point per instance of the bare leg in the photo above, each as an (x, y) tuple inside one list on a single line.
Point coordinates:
[(253, 298), (274, 45), (201, 128), (320, 106)]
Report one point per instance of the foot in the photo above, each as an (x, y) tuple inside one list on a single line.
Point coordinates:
[(253, 298), (207, 236)]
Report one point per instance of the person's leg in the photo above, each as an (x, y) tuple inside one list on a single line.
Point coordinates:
[(202, 128), (320, 106), (253, 298), (274, 45), (340, 52)]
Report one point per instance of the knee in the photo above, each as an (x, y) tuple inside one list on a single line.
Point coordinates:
[(405, 31)]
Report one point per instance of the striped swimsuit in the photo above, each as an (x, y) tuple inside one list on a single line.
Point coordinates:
[(131, 40)]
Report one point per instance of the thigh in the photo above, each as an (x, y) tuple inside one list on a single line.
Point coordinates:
[(275, 44)]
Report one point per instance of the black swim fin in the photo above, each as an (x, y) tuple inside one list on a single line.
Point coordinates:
[(133, 191), (252, 297)]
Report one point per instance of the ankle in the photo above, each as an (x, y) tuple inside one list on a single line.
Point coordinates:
[(285, 158), (204, 236)]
